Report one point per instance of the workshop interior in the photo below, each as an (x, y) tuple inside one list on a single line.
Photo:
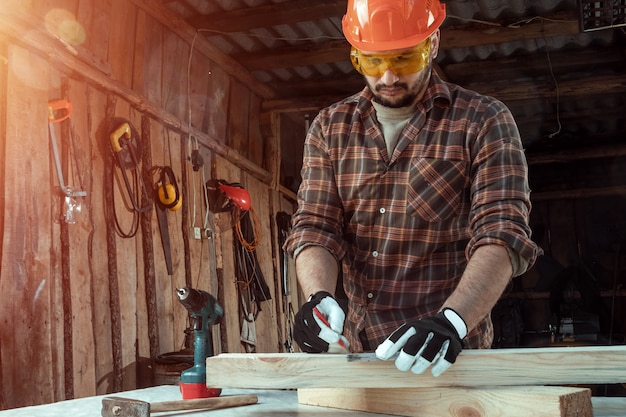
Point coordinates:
[(151, 155)]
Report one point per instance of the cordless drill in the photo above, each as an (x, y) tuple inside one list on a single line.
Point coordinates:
[(204, 311)]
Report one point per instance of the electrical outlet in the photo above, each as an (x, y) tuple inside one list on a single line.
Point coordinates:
[(197, 234)]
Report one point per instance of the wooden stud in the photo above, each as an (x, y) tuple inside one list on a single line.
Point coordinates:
[(525, 401), (473, 368)]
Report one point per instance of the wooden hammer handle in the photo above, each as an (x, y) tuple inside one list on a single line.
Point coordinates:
[(204, 403)]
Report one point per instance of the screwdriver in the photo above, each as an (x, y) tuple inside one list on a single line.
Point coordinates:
[(320, 316)]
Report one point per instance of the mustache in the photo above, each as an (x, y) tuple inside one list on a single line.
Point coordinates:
[(397, 84)]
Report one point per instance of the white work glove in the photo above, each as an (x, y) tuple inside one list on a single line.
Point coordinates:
[(434, 340), (318, 324)]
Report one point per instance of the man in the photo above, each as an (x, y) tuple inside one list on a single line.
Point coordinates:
[(418, 189)]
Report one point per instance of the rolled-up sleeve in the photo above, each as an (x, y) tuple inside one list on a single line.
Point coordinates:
[(319, 217), (500, 193)]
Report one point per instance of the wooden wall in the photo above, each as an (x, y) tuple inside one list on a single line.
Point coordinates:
[(83, 310)]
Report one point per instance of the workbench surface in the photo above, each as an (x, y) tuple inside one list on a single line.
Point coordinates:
[(283, 403)]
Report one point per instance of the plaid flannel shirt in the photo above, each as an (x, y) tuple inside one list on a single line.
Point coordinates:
[(404, 225)]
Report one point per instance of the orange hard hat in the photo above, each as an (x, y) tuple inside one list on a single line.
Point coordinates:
[(386, 25)]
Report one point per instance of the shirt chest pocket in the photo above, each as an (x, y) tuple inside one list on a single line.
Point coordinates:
[(435, 188)]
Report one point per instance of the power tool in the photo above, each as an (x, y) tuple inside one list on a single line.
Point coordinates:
[(204, 311)]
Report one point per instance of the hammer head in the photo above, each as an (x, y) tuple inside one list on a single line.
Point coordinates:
[(124, 407)]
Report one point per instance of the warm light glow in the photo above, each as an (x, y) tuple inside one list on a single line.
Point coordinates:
[(63, 25)]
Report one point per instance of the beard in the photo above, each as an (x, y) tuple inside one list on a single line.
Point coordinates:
[(400, 101), (405, 94)]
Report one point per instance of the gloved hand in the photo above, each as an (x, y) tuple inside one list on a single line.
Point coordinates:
[(310, 331), (432, 340)]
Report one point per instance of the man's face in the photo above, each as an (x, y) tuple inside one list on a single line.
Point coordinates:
[(395, 91), (395, 85)]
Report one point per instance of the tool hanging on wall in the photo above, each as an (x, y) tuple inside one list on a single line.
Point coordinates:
[(167, 190), (59, 110), (224, 196), (124, 143), (283, 224), (167, 197), (251, 284), (65, 108)]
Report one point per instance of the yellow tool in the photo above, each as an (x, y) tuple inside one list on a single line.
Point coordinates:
[(123, 140)]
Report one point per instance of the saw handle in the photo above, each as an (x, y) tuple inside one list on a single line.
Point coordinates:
[(123, 130), (63, 106)]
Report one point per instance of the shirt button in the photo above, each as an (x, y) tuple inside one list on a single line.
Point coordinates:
[(370, 295), (382, 210), (375, 254)]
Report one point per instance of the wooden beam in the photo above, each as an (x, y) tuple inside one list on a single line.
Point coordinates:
[(267, 15), (579, 193), (577, 87), (296, 55), (474, 368), (571, 155), (537, 65), (531, 401), (505, 91), (470, 35)]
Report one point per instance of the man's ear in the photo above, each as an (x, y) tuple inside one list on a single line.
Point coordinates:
[(434, 44)]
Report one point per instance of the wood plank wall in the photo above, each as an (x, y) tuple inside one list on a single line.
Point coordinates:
[(83, 310)]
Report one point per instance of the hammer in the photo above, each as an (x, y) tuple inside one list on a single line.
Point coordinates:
[(127, 407)]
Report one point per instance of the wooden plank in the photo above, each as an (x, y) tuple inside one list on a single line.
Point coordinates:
[(128, 257), (608, 406), (80, 169), (238, 118), (256, 144), (27, 278), (122, 41), (524, 401), (147, 316), (152, 63), (97, 246), (95, 17), (187, 33), (197, 93), (474, 368), (179, 277), (266, 319), (215, 122), (174, 77)]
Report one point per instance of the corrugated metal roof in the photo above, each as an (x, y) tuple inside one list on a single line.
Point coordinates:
[(535, 45)]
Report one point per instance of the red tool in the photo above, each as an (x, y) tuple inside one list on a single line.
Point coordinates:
[(323, 319)]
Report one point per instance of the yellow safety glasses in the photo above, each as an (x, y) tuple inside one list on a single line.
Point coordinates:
[(375, 65)]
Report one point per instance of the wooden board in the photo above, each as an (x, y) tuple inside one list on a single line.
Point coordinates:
[(474, 368), (524, 401), (608, 406)]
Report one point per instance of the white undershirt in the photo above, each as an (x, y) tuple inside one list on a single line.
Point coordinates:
[(392, 121)]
